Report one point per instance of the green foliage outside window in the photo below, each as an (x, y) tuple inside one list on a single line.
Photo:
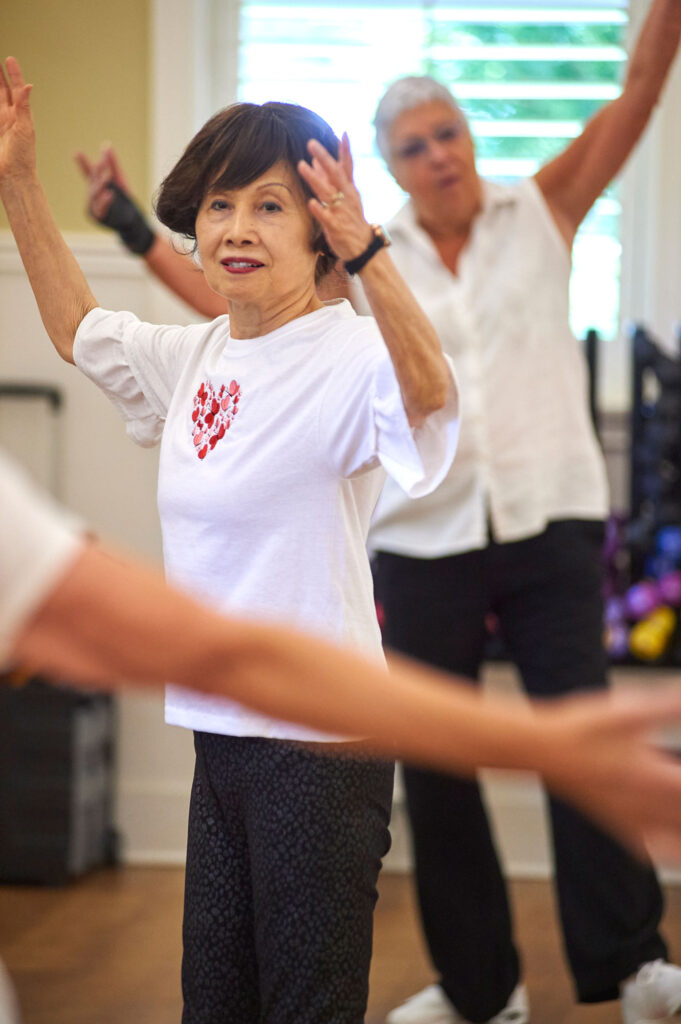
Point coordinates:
[(523, 34)]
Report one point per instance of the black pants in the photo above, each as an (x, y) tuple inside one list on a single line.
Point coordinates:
[(546, 592), (284, 849)]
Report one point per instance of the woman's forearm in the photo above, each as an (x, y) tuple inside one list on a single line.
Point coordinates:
[(110, 619), (409, 711), (595, 751), (61, 291), (653, 53), (422, 372)]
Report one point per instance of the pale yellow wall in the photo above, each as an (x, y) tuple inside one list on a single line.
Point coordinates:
[(88, 61)]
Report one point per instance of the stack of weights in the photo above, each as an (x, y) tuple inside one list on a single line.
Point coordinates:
[(643, 554)]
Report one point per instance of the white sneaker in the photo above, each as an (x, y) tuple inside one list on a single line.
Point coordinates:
[(431, 1006), (652, 994)]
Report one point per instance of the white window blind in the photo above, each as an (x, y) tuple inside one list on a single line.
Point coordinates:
[(527, 77)]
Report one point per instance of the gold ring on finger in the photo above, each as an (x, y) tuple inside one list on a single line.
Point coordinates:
[(336, 198)]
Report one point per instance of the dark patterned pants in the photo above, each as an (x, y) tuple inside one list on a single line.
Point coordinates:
[(284, 849)]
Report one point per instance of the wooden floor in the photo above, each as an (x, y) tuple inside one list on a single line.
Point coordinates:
[(106, 950)]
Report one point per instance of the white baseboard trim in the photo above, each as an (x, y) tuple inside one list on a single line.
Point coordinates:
[(152, 819), (516, 807), (518, 812), (154, 859)]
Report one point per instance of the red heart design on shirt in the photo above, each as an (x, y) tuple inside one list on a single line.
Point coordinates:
[(212, 415)]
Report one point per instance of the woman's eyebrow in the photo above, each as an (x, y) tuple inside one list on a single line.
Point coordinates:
[(270, 184), (217, 190)]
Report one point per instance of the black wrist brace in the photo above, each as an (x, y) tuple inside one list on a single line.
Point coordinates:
[(125, 217)]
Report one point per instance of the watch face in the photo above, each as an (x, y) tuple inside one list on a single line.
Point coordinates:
[(380, 232)]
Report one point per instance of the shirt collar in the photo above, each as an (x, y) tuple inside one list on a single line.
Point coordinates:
[(494, 196)]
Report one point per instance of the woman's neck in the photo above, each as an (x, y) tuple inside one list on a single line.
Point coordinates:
[(449, 233), (252, 320), (449, 239)]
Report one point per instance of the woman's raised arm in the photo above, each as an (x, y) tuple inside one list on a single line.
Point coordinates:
[(572, 181), (415, 350), (61, 291)]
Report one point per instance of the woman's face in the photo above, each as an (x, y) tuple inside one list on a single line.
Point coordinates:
[(255, 242), (433, 159)]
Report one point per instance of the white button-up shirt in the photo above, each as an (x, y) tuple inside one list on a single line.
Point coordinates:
[(527, 450)]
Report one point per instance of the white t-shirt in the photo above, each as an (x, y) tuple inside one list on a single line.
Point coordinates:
[(37, 543), (527, 453), (274, 451)]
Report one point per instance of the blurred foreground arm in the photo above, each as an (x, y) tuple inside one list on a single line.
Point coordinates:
[(109, 619)]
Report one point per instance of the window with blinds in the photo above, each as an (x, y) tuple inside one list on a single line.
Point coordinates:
[(527, 77)]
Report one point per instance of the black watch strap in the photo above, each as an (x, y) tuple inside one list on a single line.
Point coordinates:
[(379, 240)]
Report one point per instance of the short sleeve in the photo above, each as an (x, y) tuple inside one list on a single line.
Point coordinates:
[(364, 422), (135, 364), (37, 543)]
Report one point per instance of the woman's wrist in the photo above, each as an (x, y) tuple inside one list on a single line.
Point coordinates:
[(127, 220), (356, 245), (20, 181), (377, 240)]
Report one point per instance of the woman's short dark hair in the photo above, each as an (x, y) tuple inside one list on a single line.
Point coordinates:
[(235, 147)]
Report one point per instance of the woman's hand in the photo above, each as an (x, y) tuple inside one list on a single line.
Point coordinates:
[(602, 756), (61, 291), (17, 135), (99, 174), (423, 375), (338, 206), (111, 204)]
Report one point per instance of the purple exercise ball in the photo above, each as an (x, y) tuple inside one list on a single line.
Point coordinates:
[(642, 599)]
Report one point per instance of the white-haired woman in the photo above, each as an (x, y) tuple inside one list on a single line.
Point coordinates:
[(515, 530)]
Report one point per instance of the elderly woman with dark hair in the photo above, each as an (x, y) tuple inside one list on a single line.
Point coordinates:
[(277, 425)]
